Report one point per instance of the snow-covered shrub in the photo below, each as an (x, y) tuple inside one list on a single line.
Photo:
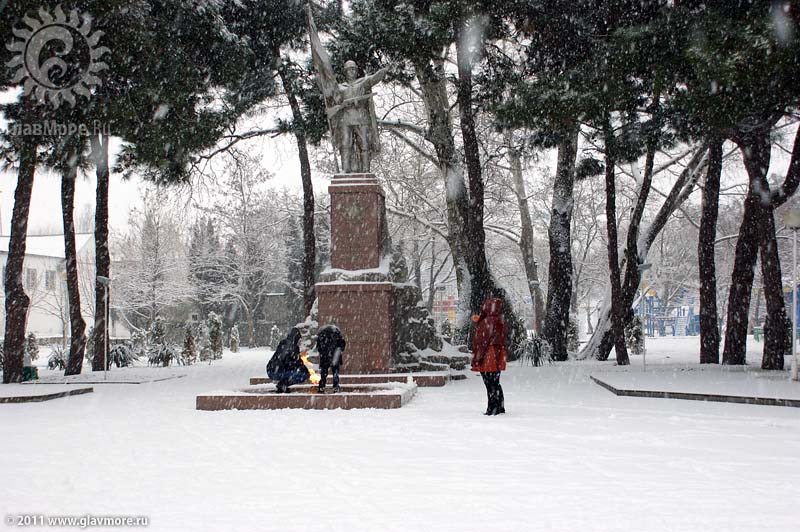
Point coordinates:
[(572, 335), (215, 335), (122, 355), (58, 357), (235, 339), (634, 336), (189, 352), (159, 351), (163, 355), (32, 347), (535, 351)]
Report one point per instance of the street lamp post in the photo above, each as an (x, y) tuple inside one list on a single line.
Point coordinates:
[(106, 282), (792, 220), (643, 268)]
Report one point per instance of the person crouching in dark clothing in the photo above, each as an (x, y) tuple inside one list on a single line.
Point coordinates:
[(489, 352), (330, 346), (285, 367)]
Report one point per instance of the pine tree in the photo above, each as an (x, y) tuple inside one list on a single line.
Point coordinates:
[(206, 266), (189, 354), (215, 335)]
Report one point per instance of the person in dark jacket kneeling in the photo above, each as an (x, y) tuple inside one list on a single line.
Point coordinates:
[(330, 346), (285, 367), (489, 352)]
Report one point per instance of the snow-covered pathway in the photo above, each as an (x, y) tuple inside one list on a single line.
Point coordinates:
[(568, 456)]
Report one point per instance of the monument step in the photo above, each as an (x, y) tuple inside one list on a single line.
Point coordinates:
[(306, 397)]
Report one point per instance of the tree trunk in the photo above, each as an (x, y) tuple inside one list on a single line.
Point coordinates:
[(618, 310), (633, 256), (77, 325), (559, 290), (777, 329), (102, 257), (739, 295), (758, 231), (17, 301), (526, 234), (482, 284), (707, 270), (309, 240)]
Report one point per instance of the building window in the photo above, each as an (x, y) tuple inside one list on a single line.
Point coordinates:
[(30, 278), (50, 280)]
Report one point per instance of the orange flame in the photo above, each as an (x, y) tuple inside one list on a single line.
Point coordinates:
[(313, 376)]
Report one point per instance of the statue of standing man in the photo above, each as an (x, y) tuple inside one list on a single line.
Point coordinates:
[(349, 105)]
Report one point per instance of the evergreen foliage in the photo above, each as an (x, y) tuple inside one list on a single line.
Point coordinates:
[(215, 335), (122, 355), (206, 265), (634, 335), (189, 352), (160, 352)]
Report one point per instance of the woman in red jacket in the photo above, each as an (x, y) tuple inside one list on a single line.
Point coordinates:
[(489, 352)]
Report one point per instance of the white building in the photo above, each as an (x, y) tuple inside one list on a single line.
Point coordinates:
[(45, 283)]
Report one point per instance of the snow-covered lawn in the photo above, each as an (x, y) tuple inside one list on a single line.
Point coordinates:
[(569, 455)]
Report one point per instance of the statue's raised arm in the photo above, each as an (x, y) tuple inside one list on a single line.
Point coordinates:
[(376, 78)]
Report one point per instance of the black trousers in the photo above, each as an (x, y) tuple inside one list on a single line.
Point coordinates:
[(323, 370), (494, 392)]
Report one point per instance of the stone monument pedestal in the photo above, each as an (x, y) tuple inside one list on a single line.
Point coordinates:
[(364, 312), (355, 293)]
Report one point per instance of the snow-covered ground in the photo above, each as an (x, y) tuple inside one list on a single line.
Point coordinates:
[(569, 455)]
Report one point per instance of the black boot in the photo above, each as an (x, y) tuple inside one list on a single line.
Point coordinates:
[(500, 404), (490, 408)]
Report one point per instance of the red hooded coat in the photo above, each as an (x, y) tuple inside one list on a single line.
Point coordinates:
[(489, 344)]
